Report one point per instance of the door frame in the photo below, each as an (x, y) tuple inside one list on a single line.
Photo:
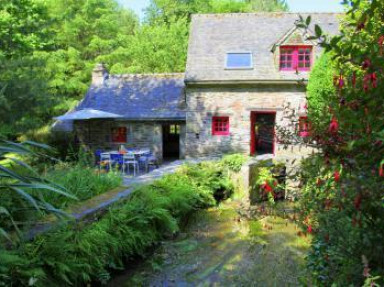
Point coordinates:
[(168, 124), (253, 135)]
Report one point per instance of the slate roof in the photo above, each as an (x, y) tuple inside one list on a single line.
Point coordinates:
[(139, 97), (214, 35)]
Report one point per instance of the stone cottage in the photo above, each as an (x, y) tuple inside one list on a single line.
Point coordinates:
[(245, 81)]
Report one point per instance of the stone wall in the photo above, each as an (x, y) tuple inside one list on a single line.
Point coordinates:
[(96, 134), (238, 102)]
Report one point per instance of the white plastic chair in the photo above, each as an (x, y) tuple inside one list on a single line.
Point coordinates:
[(130, 159), (105, 160)]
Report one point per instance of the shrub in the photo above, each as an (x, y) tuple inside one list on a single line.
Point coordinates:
[(342, 203), (234, 162), (77, 255), (320, 92), (212, 176), (267, 181)]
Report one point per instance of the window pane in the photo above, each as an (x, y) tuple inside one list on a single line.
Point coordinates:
[(239, 60)]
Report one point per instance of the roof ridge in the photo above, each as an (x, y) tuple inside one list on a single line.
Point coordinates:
[(147, 75)]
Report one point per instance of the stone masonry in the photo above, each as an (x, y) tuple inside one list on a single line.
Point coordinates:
[(237, 103)]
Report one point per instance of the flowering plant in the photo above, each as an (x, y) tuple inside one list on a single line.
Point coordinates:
[(343, 185)]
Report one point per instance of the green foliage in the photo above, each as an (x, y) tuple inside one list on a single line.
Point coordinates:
[(81, 181), (342, 202), (22, 189), (234, 162), (265, 181), (320, 91), (79, 254)]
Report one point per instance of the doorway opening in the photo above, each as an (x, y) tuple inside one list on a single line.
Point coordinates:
[(263, 132), (171, 141)]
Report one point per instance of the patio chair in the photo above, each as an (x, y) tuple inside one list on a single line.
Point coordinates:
[(150, 160), (130, 159), (105, 160)]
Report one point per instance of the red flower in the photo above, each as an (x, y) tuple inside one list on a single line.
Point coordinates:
[(309, 229), (374, 80), (381, 170), (334, 126), (357, 201), (336, 176), (267, 187)]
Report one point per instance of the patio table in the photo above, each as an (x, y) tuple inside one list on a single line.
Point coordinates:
[(118, 156)]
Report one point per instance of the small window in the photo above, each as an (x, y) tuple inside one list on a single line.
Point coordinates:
[(119, 135), (174, 129), (220, 126), (239, 61), (294, 58), (304, 127)]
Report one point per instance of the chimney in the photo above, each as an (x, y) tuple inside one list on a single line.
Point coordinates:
[(99, 75)]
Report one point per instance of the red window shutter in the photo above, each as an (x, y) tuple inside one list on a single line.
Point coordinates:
[(220, 126)]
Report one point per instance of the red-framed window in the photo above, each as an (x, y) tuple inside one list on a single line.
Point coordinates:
[(304, 127), (220, 126), (119, 135), (294, 58)]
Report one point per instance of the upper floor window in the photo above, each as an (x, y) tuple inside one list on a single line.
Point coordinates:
[(220, 126), (294, 58), (119, 135), (239, 60)]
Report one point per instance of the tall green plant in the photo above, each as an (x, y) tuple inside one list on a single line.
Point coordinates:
[(17, 181)]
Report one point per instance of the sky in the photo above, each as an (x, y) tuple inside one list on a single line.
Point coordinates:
[(294, 5)]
